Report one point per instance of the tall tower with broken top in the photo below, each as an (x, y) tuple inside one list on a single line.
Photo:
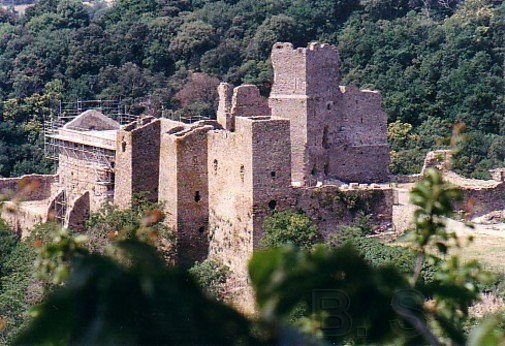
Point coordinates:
[(336, 132)]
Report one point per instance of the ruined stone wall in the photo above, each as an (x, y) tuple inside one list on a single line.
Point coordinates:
[(243, 101), (33, 187), (336, 133), (361, 152), (23, 216), (79, 212), (184, 189), (295, 110), (230, 176), (323, 70), (330, 207), (271, 162), (28, 199), (478, 201), (78, 176), (137, 161), (290, 71), (288, 99)]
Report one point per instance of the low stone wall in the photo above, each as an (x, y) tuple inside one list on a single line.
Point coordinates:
[(331, 207), (33, 187), (480, 201), (405, 179), (23, 216)]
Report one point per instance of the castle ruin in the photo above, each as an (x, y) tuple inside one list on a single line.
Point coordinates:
[(313, 146)]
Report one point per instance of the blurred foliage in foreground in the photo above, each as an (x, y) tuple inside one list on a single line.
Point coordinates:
[(134, 297)]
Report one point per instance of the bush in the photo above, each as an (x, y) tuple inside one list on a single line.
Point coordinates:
[(211, 276), (144, 221), (289, 228), (379, 254), (20, 290)]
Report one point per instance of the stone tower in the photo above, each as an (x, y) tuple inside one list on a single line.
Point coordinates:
[(336, 133)]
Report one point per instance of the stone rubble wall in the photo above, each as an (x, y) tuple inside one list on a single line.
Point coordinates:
[(336, 132), (32, 187), (137, 161), (479, 197), (230, 173), (184, 188)]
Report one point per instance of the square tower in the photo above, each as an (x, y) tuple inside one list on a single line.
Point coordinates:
[(335, 134)]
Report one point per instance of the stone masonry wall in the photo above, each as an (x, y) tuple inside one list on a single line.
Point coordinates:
[(271, 161), (79, 212), (33, 187), (243, 101), (230, 168), (137, 161), (184, 189), (336, 133), (77, 176), (361, 153)]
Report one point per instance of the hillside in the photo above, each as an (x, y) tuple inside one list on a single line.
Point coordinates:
[(436, 64)]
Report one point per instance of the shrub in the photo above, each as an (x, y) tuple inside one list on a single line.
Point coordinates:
[(288, 228), (144, 221), (379, 254), (211, 276)]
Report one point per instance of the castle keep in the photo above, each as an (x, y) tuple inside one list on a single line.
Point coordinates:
[(313, 146)]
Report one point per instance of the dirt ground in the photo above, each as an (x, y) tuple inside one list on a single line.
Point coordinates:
[(488, 246)]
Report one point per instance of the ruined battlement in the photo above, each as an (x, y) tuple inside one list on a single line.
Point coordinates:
[(243, 101), (337, 132), (305, 72)]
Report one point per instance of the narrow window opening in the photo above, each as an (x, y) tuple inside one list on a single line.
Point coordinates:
[(325, 138), (197, 196), (215, 165), (242, 173), (123, 147), (272, 204), (326, 169), (314, 170), (329, 105), (273, 174), (201, 230), (361, 119)]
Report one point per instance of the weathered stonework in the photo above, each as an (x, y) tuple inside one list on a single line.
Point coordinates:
[(137, 161), (336, 132), (313, 147)]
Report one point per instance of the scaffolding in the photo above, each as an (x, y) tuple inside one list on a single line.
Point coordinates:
[(60, 208), (98, 159)]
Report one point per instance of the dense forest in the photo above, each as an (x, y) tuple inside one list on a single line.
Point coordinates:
[(437, 64)]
